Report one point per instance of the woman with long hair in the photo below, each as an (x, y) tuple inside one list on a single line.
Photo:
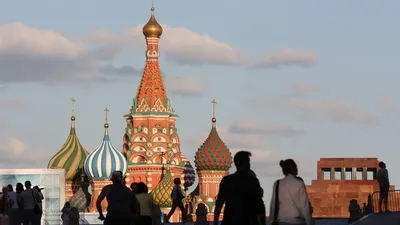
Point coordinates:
[(146, 204), (289, 202)]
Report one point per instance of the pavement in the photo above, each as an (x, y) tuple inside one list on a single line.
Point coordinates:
[(390, 218)]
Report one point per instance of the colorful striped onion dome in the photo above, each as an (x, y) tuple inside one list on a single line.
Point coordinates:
[(105, 159), (71, 156), (79, 200), (189, 175), (213, 154), (162, 192)]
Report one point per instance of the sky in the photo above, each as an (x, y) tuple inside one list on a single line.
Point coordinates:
[(293, 79)]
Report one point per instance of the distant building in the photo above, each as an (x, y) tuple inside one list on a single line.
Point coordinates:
[(339, 181)]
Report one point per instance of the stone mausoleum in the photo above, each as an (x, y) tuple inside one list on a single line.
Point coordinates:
[(339, 181)]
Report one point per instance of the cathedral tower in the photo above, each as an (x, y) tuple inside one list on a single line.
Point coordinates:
[(213, 161), (151, 138)]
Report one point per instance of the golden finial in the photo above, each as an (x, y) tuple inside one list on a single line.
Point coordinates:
[(152, 29), (106, 111), (214, 120), (73, 109)]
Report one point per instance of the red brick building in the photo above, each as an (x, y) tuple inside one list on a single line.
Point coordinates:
[(340, 180)]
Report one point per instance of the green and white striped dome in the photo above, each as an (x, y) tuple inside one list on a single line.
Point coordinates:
[(71, 156)]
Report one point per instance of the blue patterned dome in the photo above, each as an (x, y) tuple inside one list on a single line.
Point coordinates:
[(105, 159)]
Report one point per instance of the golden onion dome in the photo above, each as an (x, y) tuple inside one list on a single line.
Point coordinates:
[(152, 29)]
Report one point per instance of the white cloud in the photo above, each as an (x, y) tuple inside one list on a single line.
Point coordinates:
[(17, 154), (286, 56), (336, 110), (185, 86), (29, 54), (17, 39), (183, 46), (244, 126), (179, 45)]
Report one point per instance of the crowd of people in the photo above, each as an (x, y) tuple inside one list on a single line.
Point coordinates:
[(22, 206), (240, 192)]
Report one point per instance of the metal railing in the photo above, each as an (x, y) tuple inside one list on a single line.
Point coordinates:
[(393, 201)]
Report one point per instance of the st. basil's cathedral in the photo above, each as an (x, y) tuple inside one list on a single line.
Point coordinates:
[(151, 149)]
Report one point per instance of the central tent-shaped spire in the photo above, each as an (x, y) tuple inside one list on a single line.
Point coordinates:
[(151, 96)]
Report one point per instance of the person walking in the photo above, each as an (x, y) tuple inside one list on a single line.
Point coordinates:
[(242, 195), (177, 197), (146, 204), (122, 203), (289, 202), (29, 199), (384, 184)]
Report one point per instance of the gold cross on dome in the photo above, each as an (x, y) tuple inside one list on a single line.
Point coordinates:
[(73, 105), (214, 104), (106, 111)]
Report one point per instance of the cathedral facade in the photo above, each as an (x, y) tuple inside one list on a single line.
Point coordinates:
[(151, 148)]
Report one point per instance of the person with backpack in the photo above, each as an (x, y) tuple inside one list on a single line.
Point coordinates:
[(177, 197)]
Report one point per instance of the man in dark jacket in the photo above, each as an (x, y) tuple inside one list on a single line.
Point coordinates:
[(122, 203), (242, 195)]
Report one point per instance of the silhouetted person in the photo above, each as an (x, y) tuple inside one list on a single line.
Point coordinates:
[(383, 180), (133, 186), (292, 205), (65, 212), (39, 202), (242, 195), (177, 197), (369, 209), (13, 210), (74, 216), (201, 215), (29, 199), (122, 203), (146, 204), (354, 210), (19, 188)]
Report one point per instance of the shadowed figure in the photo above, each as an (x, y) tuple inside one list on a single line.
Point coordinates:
[(122, 203), (384, 184), (369, 209), (201, 215), (177, 197), (354, 210), (242, 195)]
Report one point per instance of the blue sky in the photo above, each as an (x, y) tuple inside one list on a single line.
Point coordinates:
[(325, 85)]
